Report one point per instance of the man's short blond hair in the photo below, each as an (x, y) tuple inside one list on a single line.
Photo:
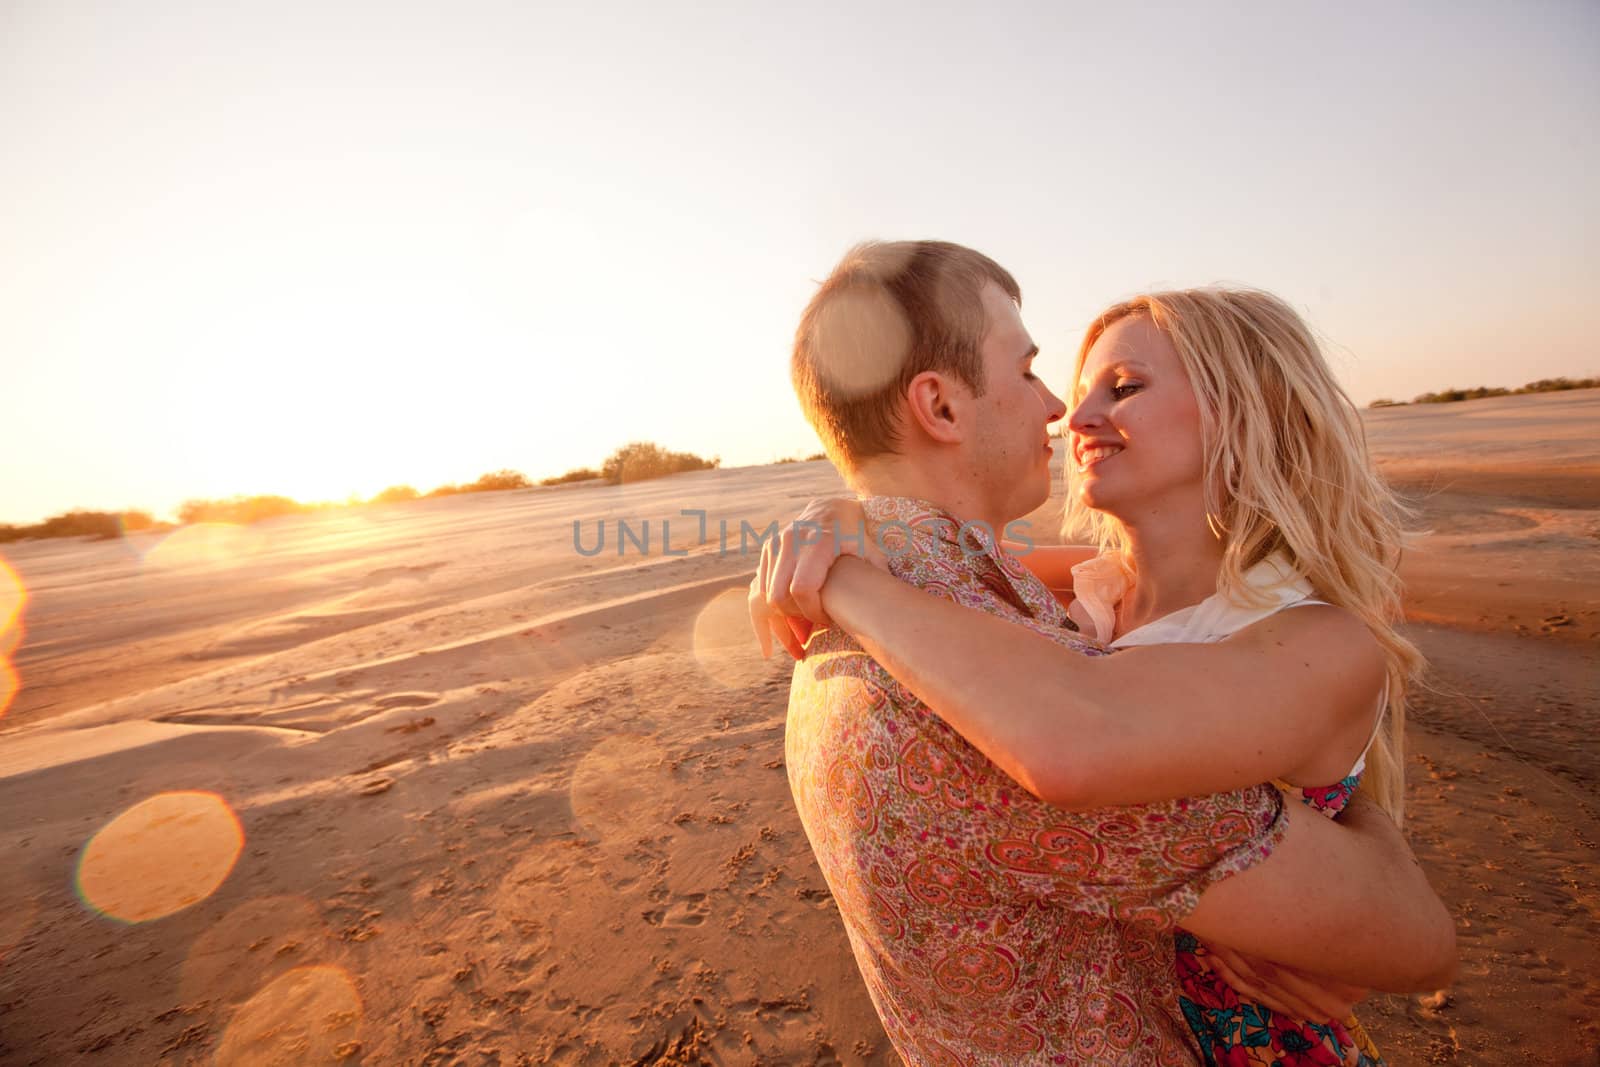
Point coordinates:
[(890, 311)]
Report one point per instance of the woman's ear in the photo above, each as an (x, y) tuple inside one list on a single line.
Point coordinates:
[(940, 406)]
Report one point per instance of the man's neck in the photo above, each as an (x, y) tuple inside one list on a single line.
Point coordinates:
[(942, 485)]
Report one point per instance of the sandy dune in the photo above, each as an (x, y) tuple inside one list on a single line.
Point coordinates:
[(425, 784)]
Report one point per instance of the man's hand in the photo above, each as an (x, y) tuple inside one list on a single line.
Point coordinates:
[(1291, 993), (786, 594)]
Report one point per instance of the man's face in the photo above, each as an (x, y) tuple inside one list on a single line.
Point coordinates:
[(1010, 446)]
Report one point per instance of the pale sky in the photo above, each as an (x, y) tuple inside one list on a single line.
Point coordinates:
[(321, 248)]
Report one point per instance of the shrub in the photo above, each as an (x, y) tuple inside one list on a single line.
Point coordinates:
[(498, 480), (1385, 402), (396, 493), (1556, 385), (640, 460), (580, 474), (101, 525), (241, 510), (816, 456)]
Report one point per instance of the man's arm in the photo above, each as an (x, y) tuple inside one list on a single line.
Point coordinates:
[(1347, 900)]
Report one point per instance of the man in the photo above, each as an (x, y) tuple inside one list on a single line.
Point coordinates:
[(991, 928)]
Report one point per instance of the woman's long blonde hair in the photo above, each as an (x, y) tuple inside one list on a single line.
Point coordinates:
[(1286, 471)]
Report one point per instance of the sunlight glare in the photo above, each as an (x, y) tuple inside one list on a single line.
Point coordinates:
[(160, 856)]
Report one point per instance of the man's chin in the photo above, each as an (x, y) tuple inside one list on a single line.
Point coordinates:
[(1027, 507)]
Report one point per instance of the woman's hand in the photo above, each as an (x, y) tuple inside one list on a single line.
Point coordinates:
[(786, 593), (1291, 993)]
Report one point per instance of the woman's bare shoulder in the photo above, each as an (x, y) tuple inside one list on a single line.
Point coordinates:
[(1341, 652)]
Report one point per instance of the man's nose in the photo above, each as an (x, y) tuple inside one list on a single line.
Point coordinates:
[(1054, 406)]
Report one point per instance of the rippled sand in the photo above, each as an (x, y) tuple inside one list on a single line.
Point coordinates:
[(425, 784)]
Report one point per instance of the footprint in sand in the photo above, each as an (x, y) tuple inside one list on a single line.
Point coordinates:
[(689, 910)]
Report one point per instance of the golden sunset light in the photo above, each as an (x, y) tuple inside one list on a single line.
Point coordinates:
[(420, 419)]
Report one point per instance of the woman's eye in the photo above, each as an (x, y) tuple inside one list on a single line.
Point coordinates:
[(1125, 389)]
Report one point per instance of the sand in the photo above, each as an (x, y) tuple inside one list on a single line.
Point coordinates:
[(424, 784)]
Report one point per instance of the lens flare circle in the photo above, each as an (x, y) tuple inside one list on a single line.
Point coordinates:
[(204, 544), (723, 645), (616, 786), (310, 1015), (13, 596), (11, 638), (259, 940), (160, 856), (9, 684)]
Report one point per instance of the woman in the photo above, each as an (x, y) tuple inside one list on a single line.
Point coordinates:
[(1225, 477)]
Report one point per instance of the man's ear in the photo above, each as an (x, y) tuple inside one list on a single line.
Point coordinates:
[(940, 405)]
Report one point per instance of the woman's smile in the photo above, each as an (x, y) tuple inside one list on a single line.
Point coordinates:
[(1093, 452)]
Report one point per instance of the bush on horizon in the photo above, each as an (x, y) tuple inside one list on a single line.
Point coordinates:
[(640, 460), (495, 481), (1452, 395), (395, 494), (239, 510), (100, 525), (492, 482), (578, 474)]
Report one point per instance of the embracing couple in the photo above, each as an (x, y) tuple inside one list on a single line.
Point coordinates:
[(1036, 778)]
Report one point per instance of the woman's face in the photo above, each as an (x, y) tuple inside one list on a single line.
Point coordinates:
[(1136, 427)]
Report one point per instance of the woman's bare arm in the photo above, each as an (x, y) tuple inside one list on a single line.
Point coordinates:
[(1052, 564), (1148, 723)]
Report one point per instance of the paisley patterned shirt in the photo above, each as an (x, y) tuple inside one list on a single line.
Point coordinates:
[(991, 928)]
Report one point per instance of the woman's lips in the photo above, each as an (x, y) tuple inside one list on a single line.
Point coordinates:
[(1090, 455)]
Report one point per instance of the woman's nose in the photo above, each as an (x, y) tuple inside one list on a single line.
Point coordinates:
[(1085, 415)]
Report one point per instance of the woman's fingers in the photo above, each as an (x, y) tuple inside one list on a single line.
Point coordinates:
[(785, 598), (757, 605), (1325, 999), (806, 549), (812, 563), (781, 576), (1247, 979), (1288, 992)]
